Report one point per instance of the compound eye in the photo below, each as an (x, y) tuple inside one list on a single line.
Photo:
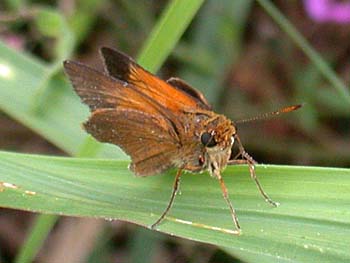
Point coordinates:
[(208, 140)]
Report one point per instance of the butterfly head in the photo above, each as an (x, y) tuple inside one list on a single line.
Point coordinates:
[(217, 139)]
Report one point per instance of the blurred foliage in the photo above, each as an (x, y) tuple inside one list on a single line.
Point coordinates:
[(232, 51)]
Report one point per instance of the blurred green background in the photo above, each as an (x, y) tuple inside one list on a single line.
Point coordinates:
[(233, 51)]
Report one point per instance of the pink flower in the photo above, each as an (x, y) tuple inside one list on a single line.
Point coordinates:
[(15, 41), (328, 10)]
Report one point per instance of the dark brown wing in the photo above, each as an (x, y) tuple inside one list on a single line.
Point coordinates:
[(123, 67), (95, 90), (140, 135), (123, 116)]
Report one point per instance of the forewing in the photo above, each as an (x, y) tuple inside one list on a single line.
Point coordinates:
[(145, 137), (123, 67), (100, 91)]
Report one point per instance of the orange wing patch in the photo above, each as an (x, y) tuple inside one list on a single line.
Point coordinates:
[(159, 90), (121, 66)]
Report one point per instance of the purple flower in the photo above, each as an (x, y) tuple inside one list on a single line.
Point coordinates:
[(328, 10)]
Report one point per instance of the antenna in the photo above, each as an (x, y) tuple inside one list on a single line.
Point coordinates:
[(271, 114)]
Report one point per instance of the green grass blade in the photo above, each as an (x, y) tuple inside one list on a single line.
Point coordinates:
[(41, 228), (166, 33), (43, 222), (312, 223), (214, 45), (302, 43)]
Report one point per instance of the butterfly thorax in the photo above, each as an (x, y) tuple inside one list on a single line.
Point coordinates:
[(207, 142)]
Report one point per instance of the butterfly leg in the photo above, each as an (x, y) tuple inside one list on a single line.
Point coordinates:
[(232, 210), (172, 197), (247, 159)]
